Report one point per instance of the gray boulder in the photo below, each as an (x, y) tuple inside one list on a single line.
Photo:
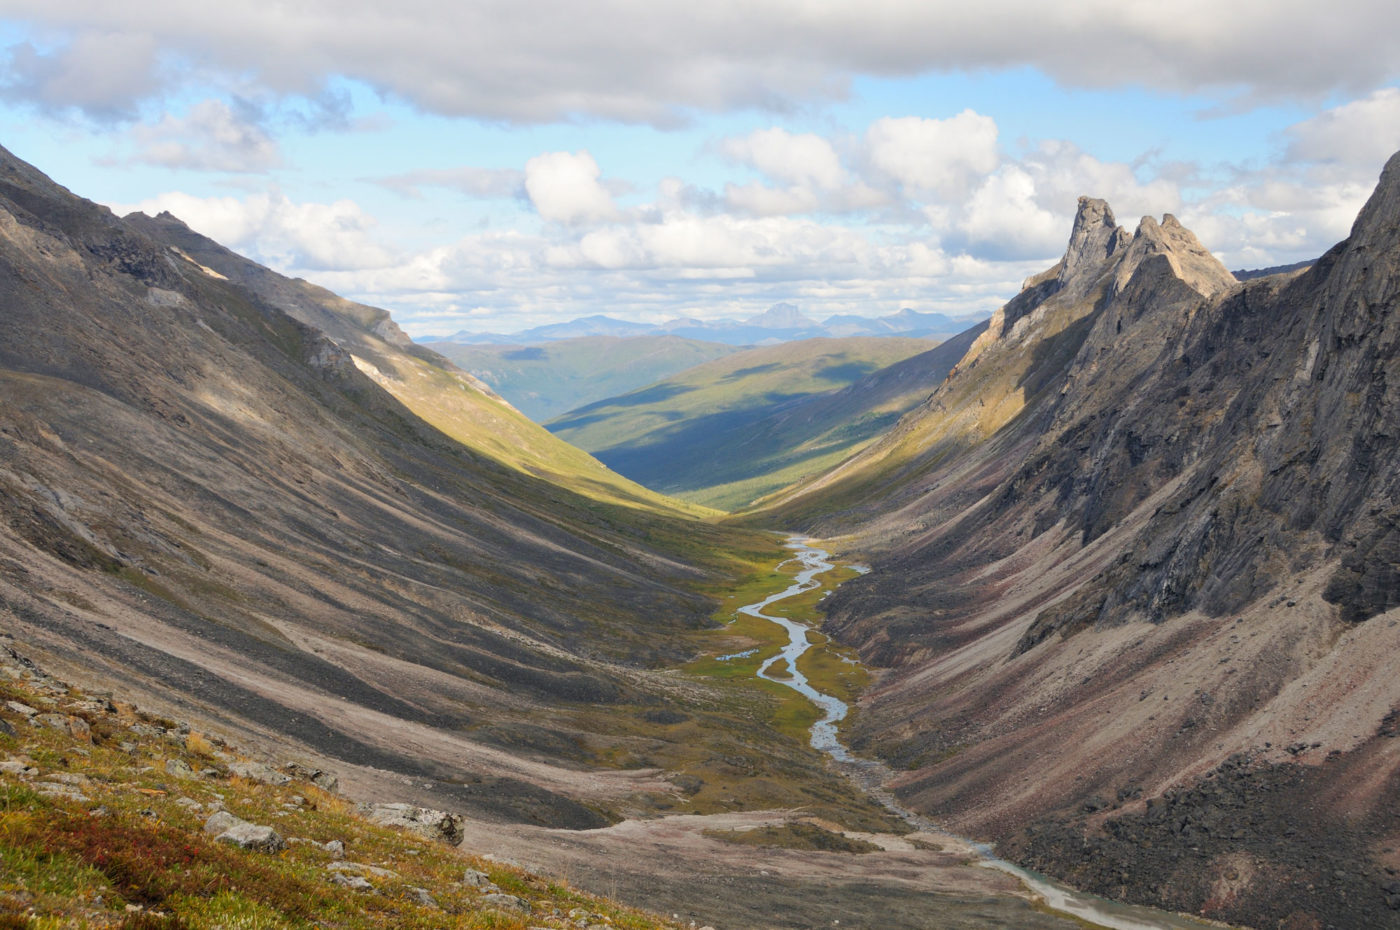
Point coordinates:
[(353, 882), (505, 902), (220, 821), (252, 836), (435, 825), (256, 771)]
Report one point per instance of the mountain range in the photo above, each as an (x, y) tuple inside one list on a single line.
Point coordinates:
[(1132, 606), (782, 322), (544, 381)]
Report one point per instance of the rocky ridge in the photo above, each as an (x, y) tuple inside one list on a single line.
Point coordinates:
[(1147, 527)]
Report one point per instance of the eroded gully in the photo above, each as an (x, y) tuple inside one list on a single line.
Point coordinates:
[(872, 775)]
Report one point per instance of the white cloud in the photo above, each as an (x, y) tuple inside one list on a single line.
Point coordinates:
[(638, 60), (291, 237), (802, 160), (103, 73), (210, 138), (1361, 133), (761, 200), (809, 172), (1062, 172), (1304, 201), (1004, 219), (938, 158), (564, 188), (484, 183)]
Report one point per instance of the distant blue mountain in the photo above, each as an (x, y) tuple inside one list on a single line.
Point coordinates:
[(781, 322)]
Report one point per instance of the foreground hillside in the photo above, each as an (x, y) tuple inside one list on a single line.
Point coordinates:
[(116, 818), (728, 431), (1135, 577), (220, 512)]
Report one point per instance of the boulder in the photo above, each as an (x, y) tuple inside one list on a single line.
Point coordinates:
[(252, 836), (353, 882), (436, 825), (256, 771), (220, 821), (505, 902), (476, 879), (420, 896), (60, 791)]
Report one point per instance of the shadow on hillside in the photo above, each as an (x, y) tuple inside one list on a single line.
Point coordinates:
[(846, 372)]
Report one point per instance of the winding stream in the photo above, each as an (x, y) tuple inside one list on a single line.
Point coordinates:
[(872, 775)]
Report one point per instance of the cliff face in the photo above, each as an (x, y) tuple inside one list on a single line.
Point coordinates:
[(1146, 527)]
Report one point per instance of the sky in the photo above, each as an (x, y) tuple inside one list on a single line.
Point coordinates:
[(492, 165)]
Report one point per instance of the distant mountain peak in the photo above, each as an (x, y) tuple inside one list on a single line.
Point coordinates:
[(781, 316)]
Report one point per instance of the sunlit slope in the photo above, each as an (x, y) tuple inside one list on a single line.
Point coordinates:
[(432, 387), (545, 381), (730, 430)]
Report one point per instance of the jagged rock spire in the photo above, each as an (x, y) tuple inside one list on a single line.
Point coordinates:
[(1190, 261), (1093, 241)]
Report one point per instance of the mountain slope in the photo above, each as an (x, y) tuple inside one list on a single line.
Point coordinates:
[(548, 380), (208, 505), (727, 431), (432, 387), (1135, 577)]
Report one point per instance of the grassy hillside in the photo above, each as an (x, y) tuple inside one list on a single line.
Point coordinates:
[(106, 818), (731, 430), (547, 380)]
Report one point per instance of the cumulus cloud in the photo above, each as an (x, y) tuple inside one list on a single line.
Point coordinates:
[(803, 160), (1004, 219), (674, 262), (211, 137), (637, 60), (939, 158), (809, 173), (564, 187), (271, 228)]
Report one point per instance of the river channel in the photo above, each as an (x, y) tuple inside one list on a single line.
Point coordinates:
[(872, 775)]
